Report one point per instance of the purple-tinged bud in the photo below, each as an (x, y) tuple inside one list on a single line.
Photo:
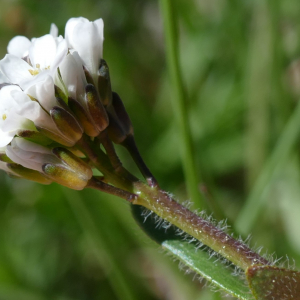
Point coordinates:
[(120, 126), (54, 136), (88, 76), (96, 108), (104, 84), (83, 117), (60, 94)]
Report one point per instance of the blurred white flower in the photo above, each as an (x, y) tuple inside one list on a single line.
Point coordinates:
[(44, 56), (87, 39)]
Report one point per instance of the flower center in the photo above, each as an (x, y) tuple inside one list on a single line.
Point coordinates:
[(4, 116), (37, 70)]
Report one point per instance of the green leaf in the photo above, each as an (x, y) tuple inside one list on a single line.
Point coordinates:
[(197, 260), (268, 283), (215, 272)]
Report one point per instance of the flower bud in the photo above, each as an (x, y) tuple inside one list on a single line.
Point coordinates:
[(54, 136), (88, 76), (64, 176), (72, 173), (104, 84), (120, 125), (58, 164), (67, 125), (75, 163), (83, 117), (60, 94), (96, 108)]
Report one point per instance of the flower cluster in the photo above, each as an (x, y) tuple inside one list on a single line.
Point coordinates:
[(55, 90)]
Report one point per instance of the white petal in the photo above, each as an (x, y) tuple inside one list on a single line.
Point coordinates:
[(12, 120), (32, 147), (88, 43), (43, 91), (21, 157), (6, 137), (3, 78), (61, 52), (5, 92), (100, 27), (34, 112), (80, 68), (19, 46), (29, 155), (29, 109), (70, 27), (15, 69), (32, 80), (15, 122), (53, 30), (42, 51), (72, 75)]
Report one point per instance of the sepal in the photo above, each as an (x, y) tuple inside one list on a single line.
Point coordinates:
[(28, 174), (35, 137), (59, 93), (72, 173), (96, 108), (75, 163), (67, 125), (120, 126), (83, 117), (5, 158)]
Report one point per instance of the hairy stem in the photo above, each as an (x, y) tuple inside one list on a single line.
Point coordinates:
[(219, 241), (130, 188)]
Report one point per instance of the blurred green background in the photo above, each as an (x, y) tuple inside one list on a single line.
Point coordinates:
[(239, 63)]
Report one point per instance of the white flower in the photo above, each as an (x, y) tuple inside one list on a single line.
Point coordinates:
[(87, 39), (19, 45), (10, 120), (45, 54), (24, 110)]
